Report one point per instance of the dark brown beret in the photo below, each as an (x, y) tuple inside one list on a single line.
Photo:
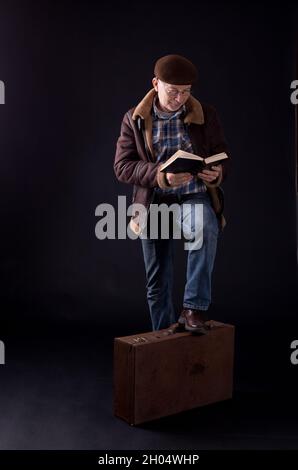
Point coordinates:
[(176, 70)]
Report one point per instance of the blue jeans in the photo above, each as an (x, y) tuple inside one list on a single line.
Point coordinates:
[(159, 254)]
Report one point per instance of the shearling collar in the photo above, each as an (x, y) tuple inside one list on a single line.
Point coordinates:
[(194, 110)]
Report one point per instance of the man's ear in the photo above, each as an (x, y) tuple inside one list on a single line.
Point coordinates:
[(154, 83)]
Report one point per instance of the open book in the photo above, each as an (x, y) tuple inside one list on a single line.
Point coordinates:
[(183, 161)]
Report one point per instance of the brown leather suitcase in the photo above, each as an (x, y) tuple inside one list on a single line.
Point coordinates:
[(163, 372)]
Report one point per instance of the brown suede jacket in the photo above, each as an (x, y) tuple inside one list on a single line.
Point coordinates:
[(135, 162)]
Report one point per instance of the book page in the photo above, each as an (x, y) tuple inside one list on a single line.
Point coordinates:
[(184, 154), (216, 157)]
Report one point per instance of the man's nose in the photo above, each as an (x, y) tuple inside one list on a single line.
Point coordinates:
[(179, 97)]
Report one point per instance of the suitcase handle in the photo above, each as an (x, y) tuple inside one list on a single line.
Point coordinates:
[(174, 328), (171, 330)]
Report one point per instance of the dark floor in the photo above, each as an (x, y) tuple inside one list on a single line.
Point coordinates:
[(56, 393)]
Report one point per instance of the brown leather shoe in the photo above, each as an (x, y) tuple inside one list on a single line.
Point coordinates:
[(194, 320)]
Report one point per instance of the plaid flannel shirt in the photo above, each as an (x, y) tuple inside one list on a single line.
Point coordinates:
[(169, 134)]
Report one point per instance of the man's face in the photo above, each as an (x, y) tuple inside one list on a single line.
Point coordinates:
[(171, 97)]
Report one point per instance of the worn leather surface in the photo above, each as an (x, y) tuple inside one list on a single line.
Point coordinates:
[(165, 372)]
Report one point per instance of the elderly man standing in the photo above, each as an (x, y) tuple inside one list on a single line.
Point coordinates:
[(169, 118)]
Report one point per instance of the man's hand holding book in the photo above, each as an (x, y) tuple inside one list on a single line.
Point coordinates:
[(208, 176)]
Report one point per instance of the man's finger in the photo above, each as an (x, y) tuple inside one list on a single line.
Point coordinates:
[(204, 175), (208, 178), (210, 172)]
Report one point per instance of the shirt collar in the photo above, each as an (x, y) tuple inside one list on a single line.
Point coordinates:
[(163, 115)]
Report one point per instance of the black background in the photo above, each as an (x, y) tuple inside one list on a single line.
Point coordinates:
[(71, 70)]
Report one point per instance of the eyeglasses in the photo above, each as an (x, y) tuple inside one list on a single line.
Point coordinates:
[(173, 92)]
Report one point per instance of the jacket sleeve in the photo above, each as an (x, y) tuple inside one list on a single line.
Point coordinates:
[(218, 143), (128, 166)]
